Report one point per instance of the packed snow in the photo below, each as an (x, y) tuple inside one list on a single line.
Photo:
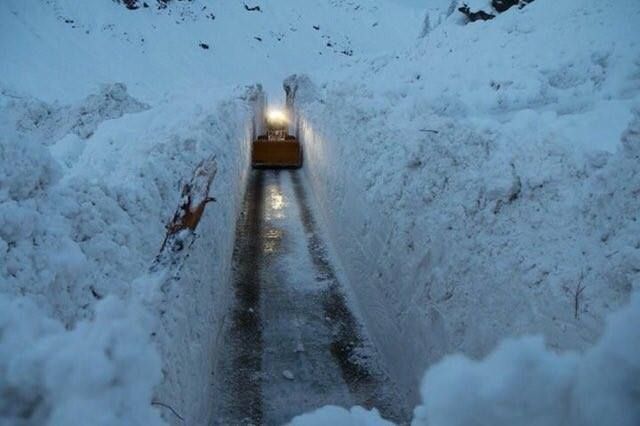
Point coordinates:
[(474, 184), (478, 181), (52, 375), (81, 220), (158, 51)]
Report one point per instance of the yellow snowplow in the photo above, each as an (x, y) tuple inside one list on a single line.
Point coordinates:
[(276, 149)]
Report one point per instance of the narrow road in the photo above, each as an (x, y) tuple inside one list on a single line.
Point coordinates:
[(292, 343)]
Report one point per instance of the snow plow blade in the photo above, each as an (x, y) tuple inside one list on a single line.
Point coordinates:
[(282, 153)]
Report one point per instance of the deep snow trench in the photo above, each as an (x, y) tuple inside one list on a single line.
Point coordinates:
[(464, 237), (293, 343)]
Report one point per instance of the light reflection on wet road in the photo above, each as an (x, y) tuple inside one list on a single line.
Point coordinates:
[(292, 344)]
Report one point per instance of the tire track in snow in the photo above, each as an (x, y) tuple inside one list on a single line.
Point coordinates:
[(350, 348), (294, 344), (298, 370), (240, 393)]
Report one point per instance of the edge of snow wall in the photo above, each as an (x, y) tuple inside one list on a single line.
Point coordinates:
[(364, 241), (365, 245), (88, 320), (194, 309)]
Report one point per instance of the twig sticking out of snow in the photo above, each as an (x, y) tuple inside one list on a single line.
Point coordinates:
[(181, 228), (252, 9), (195, 196), (162, 404)]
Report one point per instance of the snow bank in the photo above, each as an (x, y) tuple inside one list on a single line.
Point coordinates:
[(102, 372), (523, 383), (475, 185), (85, 192)]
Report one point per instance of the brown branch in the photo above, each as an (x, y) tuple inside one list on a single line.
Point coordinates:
[(195, 196)]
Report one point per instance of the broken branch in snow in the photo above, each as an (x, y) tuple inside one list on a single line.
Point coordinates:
[(162, 404), (195, 196)]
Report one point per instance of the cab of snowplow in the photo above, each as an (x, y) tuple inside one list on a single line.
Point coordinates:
[(277, 148)]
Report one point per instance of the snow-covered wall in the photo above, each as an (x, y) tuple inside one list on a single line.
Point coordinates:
[(193, 307), (472, 195), (85, 192), (90, 172), (473, 183)]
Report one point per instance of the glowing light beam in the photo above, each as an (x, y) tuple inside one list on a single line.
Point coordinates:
[(276, 116)]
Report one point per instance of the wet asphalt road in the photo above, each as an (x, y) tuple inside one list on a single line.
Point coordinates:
[(292, 343)]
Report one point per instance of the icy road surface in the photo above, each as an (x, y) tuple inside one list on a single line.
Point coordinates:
[(292, 342)]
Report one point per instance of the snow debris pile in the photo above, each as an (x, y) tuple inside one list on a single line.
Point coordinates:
[(523, 383), (477, 186)]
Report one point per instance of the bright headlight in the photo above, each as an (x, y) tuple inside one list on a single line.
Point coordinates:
[(276, 117)]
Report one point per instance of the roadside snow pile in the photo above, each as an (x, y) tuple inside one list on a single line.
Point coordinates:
[(101, 372), (85, 193), (477, 187), (523, 383)]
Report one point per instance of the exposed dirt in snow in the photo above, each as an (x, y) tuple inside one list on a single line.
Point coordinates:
[(293, 342)]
